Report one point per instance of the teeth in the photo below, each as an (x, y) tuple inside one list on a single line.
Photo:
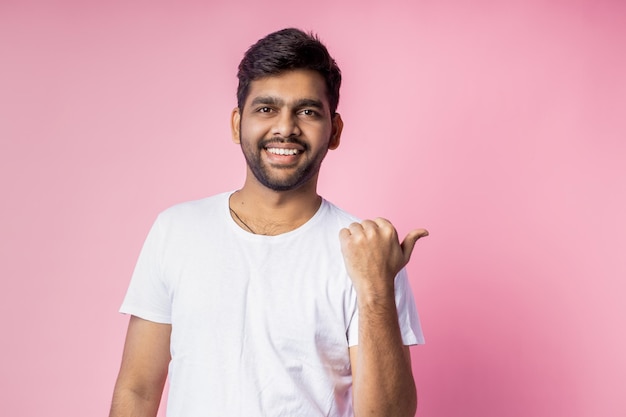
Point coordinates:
[(282, 151)]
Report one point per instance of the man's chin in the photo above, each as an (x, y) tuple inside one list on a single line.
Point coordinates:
[(282, 184), (283, 179)]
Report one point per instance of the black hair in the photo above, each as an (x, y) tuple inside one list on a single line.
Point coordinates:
[(284, 50)]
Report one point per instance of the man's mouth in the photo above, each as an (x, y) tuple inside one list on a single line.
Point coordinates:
[(283, 151)]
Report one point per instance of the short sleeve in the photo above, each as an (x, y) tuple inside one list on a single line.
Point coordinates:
[(410, 325), (147, 295), (408, 319)]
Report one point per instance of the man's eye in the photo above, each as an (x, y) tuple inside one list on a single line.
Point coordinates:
[(309, 112), (264, 110)]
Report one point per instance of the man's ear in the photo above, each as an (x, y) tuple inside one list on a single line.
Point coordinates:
[(335, 136), (235, 125)]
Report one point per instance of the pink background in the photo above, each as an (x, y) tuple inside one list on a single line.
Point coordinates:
[(499, 126)]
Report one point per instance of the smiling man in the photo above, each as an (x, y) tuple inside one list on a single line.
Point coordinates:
[(269, 300)]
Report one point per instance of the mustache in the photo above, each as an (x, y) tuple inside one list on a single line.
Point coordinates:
[(265, 143)]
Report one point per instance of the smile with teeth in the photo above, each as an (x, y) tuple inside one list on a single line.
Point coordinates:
[(283, 151)]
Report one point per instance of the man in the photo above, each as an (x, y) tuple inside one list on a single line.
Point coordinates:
[(269, 300)]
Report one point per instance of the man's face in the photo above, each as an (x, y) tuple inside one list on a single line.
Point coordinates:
[(285, 129)]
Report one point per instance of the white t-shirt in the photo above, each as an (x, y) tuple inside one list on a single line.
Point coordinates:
[(261, 325)]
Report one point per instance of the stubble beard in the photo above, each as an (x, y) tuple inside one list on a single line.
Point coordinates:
[(263, 172)]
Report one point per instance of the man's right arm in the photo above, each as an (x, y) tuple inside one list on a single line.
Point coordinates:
[(143, 371)]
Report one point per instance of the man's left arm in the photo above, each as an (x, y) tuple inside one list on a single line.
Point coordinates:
[(383, 382)]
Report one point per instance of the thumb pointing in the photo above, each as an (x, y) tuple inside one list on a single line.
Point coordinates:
[(409, 241)]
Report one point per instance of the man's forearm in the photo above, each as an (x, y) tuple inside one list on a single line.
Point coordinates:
[(129, 403), (383, 385), (381, 365)]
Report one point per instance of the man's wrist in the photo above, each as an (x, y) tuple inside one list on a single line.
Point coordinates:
[(375, 296)]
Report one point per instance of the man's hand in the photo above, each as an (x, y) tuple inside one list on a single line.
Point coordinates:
[(381, 365), (373, 254)]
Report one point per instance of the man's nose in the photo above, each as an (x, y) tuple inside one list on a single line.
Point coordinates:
[(286, 125)]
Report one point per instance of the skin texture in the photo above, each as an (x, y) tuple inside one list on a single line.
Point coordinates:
[(290, 111), (143, 371)]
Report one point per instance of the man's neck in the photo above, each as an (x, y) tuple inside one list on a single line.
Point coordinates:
[(263, 211)]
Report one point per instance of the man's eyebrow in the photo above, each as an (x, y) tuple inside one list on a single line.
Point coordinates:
[(309, 102), (268, 100), (278, 102)]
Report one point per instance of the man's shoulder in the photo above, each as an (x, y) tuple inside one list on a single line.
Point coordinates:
[(196, 209), (340, 215)]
